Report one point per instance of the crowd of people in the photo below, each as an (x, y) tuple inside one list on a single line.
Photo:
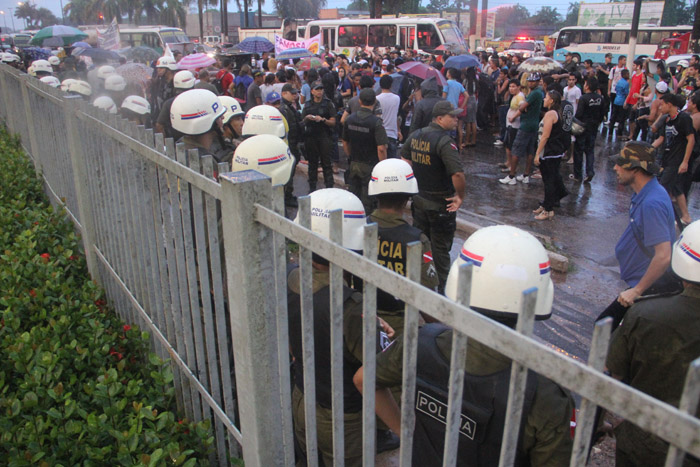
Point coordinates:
[(405, 139)]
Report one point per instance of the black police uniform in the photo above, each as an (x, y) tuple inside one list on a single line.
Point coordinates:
[(435, 159), (319, 141), (363, 131), (294, 135)]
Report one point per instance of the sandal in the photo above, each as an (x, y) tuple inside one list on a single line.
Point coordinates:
[(545, 216), (538, 210)]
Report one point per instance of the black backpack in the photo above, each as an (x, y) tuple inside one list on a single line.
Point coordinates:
[(240, 92), (217, 83)]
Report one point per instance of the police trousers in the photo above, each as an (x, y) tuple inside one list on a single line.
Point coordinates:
[(324, 432), (357, 177), (439, 225), (318, 148)]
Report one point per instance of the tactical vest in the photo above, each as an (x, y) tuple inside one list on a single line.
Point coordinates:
[(393, 243), (352, 399), (428, 167), (483, 408), (361, 127)]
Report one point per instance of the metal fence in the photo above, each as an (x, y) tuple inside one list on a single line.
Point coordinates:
[(155, 224)]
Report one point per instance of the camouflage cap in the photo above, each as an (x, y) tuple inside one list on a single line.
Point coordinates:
[(637, 154)]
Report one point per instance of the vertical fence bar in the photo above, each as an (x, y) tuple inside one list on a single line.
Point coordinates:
[(410, 356), (369, 351), (307, 333), (253, 321), (518, 380), (457, 362), (337, 339), (586, 417), (34, 147), (688, 404), (279, 243)]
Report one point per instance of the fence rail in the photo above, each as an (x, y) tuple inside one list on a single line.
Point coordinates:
[(201, 264)]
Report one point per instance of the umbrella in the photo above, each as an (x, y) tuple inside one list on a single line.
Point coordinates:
[(256, 45), (462, 61), (297, 52), (99, 54), (57, 36), (309, 63), (135, 72), (540, 65), (82, 44), (140, 54), (423, 71), (36, 53), (195, 61)]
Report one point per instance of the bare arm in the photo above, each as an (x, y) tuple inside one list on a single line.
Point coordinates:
[(346, 147), (385, 405), (344, 116), (460, 183), (381, 151), (550, 119), (688, 150), (658, 266)]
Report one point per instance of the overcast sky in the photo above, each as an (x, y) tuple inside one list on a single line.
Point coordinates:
[(55, 6)]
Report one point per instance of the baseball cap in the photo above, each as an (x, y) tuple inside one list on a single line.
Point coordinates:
[(662, 87), (637, 154), (385, 62), (608, 55), (317, 85), (444, 108), (534, 76), (257, 73), (274, 96), (288, 87), (367, 96)]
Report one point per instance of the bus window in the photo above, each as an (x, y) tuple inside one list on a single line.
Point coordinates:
[(643, 37), (174, 36), (592, 36), (301, 30), (382, 35), (658, 36), (566, 38), (352, 36), (313, 30), (329, 37), (620, 37), (408, 37), (428, 38)]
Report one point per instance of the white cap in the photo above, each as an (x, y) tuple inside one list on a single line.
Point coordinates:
[(662, 87), (684, 63), (385, 62)]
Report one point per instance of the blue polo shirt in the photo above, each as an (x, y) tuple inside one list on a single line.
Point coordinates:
[(651, 222)]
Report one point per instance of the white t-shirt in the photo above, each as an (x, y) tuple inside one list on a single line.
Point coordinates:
[(515, 102), (572, 95), (390, 110)]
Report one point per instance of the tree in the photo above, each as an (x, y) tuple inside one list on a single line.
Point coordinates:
[(572, 14), (677, 12), (516, 14), (436, 6), (358, 5), (298, 8), (546, 16), (45, 17)]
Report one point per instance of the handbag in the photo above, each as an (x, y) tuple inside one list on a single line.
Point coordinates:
[(577, 127), (460, 103)]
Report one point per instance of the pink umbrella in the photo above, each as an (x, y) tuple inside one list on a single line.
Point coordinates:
[(423, 71), (195, 61)]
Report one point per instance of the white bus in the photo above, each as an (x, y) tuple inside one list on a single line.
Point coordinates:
[(155, 37), (347, 36), (593, 42)]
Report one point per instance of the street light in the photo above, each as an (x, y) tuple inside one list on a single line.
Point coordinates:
[(25, 19), (12, 17), (4, 18)]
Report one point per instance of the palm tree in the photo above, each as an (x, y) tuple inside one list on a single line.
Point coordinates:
[(151, 8), (173, 13)]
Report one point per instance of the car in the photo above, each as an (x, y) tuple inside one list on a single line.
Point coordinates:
[(526, 47)]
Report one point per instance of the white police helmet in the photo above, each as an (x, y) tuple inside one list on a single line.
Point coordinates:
[(105, 103), (183, 80), (392, 176), (80, 87), (507, 261), (264, 120), (267, 154), (136, 104), (115, 82), (42, 66), (329, 199), (104, 71), (65, 84), (233, 108), (194, 112), (685, 259), (54, 60), (51, 81), (167, 62)]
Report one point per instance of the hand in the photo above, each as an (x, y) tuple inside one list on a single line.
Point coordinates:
[(510, 119), (454, 203), (537, 160), (683, 168), (390, 333), (627, 297), (400, 136)]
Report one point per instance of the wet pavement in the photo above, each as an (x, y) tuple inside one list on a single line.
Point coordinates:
[(585, 229)]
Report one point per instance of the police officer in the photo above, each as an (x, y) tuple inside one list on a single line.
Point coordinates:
[(322, 202), (203, 132), (441, 183), (319, 121), (392, 184), (233, 121), (545, 438), (653, 348), (365, 142), (182, 81), (289, 111)]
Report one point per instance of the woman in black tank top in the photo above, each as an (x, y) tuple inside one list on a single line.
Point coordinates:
[(555, 139)]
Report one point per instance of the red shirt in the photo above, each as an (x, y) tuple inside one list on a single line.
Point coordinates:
[(635, 86), (225, 81)]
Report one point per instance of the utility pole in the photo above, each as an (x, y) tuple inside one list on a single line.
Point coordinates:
[(634, 29), (695, 35), (259, 14), (484, 17), (473, 13)]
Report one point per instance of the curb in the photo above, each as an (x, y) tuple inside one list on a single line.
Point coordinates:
[(559, 262)]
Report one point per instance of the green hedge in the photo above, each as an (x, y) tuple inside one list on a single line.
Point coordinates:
[(77, 385)]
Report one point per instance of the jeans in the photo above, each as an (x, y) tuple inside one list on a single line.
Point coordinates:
[(392, 149), (554, 188), (502, 112), (585, 144), (439, 226)]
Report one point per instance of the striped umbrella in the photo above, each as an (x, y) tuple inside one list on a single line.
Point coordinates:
[(57, 36), (195, 61), (255, 45)]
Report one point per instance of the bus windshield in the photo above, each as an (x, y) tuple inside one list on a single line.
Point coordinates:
[(174, 36), (451, 34)]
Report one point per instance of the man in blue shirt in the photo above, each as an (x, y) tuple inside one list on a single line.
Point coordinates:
[(644, 250), (622, 89)]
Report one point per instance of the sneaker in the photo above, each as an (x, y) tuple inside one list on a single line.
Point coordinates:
[(508, 180), (387, 440), (498, 143), (536, 176), (523, 178)]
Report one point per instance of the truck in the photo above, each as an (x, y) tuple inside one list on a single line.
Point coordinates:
[(677, 44)]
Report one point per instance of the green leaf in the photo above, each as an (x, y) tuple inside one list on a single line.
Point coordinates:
[(155, 457)]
